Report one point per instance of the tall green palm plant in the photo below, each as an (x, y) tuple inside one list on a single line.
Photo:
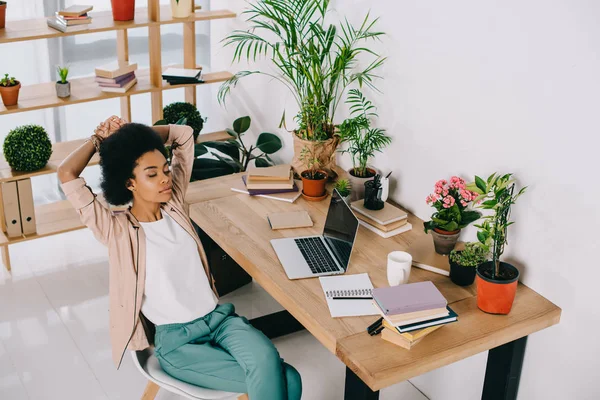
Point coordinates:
[(316, 61), (363, 140)]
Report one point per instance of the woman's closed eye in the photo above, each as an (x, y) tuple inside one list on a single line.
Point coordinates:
[(166, 172)]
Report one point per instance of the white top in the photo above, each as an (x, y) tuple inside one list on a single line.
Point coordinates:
[(177, 288)]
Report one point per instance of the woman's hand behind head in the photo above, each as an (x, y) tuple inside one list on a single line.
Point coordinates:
[(109, 126)]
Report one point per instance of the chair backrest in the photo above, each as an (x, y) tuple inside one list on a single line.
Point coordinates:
[(148, 365)]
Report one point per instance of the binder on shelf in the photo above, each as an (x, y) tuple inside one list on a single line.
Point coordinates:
[(26, 206), (12, 215)]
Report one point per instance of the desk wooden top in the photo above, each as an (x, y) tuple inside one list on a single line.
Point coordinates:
[(237, 222)]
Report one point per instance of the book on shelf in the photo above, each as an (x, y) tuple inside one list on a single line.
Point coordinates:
[(256, 192), (274, 173), (383, 228), (408, 298), (404, 228), (280, 184), (119, 84), (387, 215), (123, 89), (115, 69), (413, 335), (71, 21), (395, 338), (181, 73), (75, 10), (54, 23), (288, 197), (116, 81)]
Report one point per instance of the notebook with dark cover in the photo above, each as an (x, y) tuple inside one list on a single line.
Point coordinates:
[(256, 192)]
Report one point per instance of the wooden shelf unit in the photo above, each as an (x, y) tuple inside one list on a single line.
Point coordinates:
[(60, 217)]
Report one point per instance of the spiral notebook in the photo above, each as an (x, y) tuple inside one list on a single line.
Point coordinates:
[(358, 285)]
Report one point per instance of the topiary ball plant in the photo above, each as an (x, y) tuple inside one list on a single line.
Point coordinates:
[(27, 148), (175, 111)]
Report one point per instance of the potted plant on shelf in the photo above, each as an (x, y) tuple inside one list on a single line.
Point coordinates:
[(9, 90), (315, 60), (313, 178), (181, 8), (363, 140), (464, 263), (27, 148), (2, 14), (123, 10), (496, 280), (450, 201), (174, 112), (344, 188), (63, 87)]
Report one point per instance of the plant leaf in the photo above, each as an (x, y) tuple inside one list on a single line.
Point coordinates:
[(232, 133), (261, 163), (481, 237), (181, 121), (480, 184), (241, 124), (160, 122), (227, 148), (199, 150), (268, 143)]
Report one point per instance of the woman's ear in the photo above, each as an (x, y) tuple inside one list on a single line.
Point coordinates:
[(131, 185)]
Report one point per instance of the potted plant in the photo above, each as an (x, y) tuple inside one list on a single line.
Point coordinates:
[(344, 188), (233, 156), (362, 139), (27, 148), (63, 87), (450, 200), (464, 263), (315, 60), (123, 10), (2, 14), (496, 280), (313, 178), (9, 90), (181, 8), (174, 112)]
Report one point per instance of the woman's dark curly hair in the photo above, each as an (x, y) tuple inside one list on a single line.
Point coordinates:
[(118, 157)]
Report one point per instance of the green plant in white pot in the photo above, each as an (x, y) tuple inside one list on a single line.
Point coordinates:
[(315, 59), (496, 280), (362, 139), (63, 86)]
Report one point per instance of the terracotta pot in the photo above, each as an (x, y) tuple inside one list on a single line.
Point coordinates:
[(2, 15), (181, 9), (10, 94), (324, 150), (358, 183), (313, 187), (496, 296), (461, 275), (123, 10), (444, 241)]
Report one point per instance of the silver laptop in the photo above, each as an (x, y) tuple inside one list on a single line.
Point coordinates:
[(326, 254)]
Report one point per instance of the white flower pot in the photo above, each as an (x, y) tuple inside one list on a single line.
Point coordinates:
[(183, 9)]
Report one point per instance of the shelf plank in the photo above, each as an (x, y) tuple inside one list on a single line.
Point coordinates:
[(61, 150), (43, 95), (16, 31)]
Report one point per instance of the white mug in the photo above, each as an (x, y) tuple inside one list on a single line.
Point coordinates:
[(398, 267)]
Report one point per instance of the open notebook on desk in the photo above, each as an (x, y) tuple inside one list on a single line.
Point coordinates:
[(358, 285)]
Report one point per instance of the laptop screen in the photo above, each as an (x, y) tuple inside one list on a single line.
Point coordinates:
[(340, 229)]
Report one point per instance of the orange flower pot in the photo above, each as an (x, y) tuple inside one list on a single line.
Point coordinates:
[(496, 296), (123, 10), (2, 15), (10, 94), (313, 187)]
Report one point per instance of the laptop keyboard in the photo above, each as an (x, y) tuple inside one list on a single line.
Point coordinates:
[(316, 255), (342, 247)]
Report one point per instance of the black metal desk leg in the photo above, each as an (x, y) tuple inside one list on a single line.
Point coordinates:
[(356, 389), (503, 371)]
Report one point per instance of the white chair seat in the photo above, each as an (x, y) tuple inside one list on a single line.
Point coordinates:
[(148, 365)]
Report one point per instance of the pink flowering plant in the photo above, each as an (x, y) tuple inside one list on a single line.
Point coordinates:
[(451, 200)]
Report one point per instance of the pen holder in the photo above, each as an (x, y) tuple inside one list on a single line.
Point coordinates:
[(373, 192)]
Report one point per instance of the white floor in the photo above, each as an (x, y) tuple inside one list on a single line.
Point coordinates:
[(54, 341)]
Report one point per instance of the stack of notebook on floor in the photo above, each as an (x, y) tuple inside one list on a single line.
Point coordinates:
[(116, 77), (182, 76), (387, 222), (411, 311), (275, 183), (71, 19)]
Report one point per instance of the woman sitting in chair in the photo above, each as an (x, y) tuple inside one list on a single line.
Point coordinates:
[(159, 272)]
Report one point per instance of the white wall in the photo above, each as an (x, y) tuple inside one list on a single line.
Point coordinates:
[(473, 87)]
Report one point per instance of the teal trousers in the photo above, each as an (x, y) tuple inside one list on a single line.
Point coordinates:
[(223, 351)]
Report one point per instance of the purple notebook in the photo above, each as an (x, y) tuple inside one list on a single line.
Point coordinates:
[(120, 80), (256, 192), (410, 297)]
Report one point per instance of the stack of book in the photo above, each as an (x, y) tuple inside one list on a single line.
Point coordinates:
[(116, 77), (275, 183), (387, 222), (411, 311), (182, 76), (71, 19)]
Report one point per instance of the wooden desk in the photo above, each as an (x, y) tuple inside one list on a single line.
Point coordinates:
[(238, 224)]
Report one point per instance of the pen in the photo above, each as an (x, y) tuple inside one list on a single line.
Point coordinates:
[(351, 298)]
